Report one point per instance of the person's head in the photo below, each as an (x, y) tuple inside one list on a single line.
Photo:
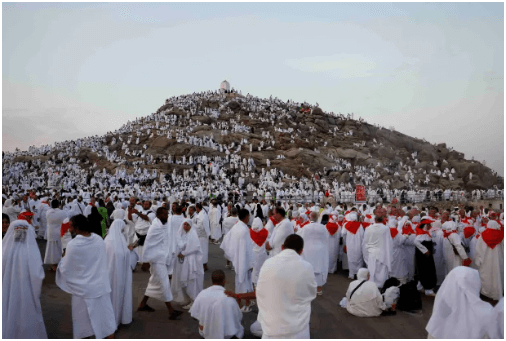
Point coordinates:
[(198, 207), (178, 209), (132, 201), (146, 204), (313, 216), (363, 274), (92, 201), (218, 278), (187, 225), (55, 203), (5, 222), (293, 242), (25, 198), (101, 203), (279, 213), (162, 214), (244, 215), (380, 219), (80, 199), (191, 210), (79, 225)]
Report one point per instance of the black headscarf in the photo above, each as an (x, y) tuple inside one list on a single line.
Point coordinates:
[(95, 220), (260, 213)]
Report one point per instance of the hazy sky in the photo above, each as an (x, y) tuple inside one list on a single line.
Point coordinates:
[(431, 70)]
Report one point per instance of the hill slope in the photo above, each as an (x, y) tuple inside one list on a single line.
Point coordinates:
[(333, 147)]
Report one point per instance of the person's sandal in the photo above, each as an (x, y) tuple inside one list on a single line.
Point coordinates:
[(146, 308), (175, 315)]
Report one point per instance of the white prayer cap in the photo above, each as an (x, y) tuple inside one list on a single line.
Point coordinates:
[(257, 224), (492, 224), (362, 274), (416, 219), (352, 216), (449, 226)]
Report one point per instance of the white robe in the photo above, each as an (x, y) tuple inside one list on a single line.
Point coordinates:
[(316, 250), (451, 259), (43, 219), (228, 223), (82, 273), (55, 218), (333, 251), (22, 276), (120, 272), (260, 258), (282, 230), (286, 287), (238, 248), (174, 222), (495, 328), (366, 300), (377, 250), (399, 266), (188, 277), (202, 223), (490, 263), (458, 311), (214, 222), (157, 251), (218, 314), (353, 244)]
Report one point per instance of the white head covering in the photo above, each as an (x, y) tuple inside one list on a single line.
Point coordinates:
[(458, 311), (257, 224), (188, 245), (119, 214), (116, 240), (449, 226), (352, 216), (22, 264), (492, 224), (362, 274)]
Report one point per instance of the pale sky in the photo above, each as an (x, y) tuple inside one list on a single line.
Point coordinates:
[(431, 70)]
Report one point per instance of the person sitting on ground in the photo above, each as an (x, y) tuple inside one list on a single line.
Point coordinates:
[(219, 316), (363, 296)]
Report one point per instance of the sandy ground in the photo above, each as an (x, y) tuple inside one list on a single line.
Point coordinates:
[(328, 320)]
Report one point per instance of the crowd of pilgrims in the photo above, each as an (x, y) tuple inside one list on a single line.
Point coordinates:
[(282, 255), (234, 170), (281, 242)]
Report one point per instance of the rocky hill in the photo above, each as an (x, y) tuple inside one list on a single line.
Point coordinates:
[(315, 137)]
